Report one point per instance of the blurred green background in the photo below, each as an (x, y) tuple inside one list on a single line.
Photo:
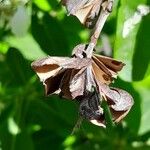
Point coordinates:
[(32, 29)]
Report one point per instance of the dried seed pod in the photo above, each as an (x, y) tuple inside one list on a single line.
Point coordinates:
[(104, 68), (57, 74), (74, 78), (66, 76), (119, 101), (87, 11)]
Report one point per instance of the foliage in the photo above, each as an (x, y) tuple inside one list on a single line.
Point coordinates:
[(34, 29)]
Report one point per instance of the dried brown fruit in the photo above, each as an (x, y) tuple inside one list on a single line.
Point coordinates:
[(104, 68), (118, 101), (56, 73), (70, 77), (76, 77), (86, 76), (87, 11)]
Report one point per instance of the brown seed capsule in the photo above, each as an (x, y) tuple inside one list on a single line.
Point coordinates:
[(87, 11), (74, 78)]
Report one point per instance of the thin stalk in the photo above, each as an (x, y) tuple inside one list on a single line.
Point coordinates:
[(108, 117), (105, 12), (77, 125)]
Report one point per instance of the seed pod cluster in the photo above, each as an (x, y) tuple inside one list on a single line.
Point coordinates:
[(85, 76)]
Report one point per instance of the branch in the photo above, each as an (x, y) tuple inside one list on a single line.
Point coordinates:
[(105, 12)]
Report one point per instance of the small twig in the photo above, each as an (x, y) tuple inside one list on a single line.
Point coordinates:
[(108, 117), (77, 125), (105, 12)]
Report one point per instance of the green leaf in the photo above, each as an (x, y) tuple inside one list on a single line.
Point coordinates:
[(73, 31), (48, 116), (43, 4), (54, 4), (23, 141), (5, 137), (19, 69), (141, 57), (3, 47), (20, 21), (47, 138), (50, 35), (27, 46), (127, 28), (135, 112), (143, 88), (6, 112)]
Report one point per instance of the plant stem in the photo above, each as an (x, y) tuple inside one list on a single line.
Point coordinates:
[(77, 125), (108, 117), (105, 12)]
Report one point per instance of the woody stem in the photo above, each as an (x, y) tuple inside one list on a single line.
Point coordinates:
[(105, 12)]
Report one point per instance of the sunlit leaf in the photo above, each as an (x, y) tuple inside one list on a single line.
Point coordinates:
[(27, 46), (127, 29), (142, 52), (43, 4), (20, 21), (143, 88)]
